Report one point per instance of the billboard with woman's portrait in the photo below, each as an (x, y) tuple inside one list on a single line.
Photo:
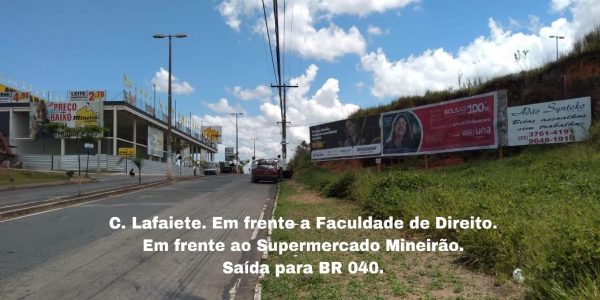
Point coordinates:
[(462, 124), (401, 132)]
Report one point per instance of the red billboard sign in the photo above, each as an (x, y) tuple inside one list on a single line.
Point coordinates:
[(462, 124)]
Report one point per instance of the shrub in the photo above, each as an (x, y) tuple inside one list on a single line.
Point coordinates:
[(340, 186)]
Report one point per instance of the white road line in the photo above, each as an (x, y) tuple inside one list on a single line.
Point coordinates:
[(262, 214)]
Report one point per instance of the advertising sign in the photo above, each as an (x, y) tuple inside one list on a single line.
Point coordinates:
[(357, 137), (229, 154), (21, 96), (87, 95), (462, 124), (212, 133), (155, 142), (72, 114), (550, 122), (5, 97), (126, 151)]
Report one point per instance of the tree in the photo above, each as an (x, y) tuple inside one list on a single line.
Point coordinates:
[(137, 161), (83, 134)]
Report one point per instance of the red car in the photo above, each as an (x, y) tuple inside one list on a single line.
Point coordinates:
[(265, 169)]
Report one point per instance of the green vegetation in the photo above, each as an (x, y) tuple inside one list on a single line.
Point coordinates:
[(544, 201), (81, 135), (137, 160), (414, 275), (10, 177)]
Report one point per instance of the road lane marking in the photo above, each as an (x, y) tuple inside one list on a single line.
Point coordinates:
[(262, 214)]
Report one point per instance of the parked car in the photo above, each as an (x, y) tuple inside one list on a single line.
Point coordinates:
[(212, 169), (265, 169)]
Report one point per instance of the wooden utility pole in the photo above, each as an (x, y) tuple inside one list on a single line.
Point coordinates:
[(281, 88)]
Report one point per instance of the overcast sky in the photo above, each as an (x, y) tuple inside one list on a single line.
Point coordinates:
[(342, 54)]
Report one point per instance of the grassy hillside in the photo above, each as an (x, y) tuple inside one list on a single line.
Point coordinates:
[(574, 75), (545, 202)]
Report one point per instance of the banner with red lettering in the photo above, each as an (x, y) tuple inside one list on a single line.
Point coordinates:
[(72, 114), (462, 124)]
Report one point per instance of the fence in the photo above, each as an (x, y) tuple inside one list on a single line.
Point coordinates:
[(98, 163)]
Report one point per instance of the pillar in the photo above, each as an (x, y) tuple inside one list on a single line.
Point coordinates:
[(115, 130)]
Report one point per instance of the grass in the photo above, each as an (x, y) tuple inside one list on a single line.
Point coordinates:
[(544, 201), (421, 275), (8, 177)]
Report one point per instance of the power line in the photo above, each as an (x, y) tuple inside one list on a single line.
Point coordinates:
[(269, 37), (304, 40)]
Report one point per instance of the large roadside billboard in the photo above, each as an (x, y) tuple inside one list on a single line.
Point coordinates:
[(359, 137), (156, 141), (550, 122), (462, 124), (72, 114)]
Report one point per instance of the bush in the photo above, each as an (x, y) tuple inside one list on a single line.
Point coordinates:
[(544, 202), (340, 186)]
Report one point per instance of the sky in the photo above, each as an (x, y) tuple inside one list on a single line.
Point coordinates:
[(342, 54)]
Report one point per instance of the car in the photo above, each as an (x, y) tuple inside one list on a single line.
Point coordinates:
[(265, 169), (212, 169)]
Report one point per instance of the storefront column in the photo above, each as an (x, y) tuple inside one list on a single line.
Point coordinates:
[(115, 130)]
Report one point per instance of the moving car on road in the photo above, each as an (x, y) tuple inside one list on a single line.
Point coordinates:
[(265, 169)]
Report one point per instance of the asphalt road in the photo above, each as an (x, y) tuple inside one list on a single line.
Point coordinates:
[(103, 182), (72, 253)]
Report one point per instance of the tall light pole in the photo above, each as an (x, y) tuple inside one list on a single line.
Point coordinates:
[(236, 133), (254, 153), (154, 107), (170, 36), (556, 37)]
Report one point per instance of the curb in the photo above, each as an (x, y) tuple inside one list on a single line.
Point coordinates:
[(29, 208), (40, 185), (265, 255)]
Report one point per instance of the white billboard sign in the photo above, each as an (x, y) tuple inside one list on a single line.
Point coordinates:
[(549, 122)]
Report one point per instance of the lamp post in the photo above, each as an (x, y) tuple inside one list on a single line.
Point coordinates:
[(170, 36), (254, 153), (154, 107), (236, 133), (556, 37)]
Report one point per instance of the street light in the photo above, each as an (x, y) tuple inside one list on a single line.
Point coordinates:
[(236, 133), (170, 36), (254, 155), (154, 107), (556, 37)]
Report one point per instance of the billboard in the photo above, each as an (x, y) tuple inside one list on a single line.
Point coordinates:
[(155, 141), (87, 95), (212, 133), (357, 137), (550, 122), (229, 155), (72, 114), (6, 97), (462, 124)]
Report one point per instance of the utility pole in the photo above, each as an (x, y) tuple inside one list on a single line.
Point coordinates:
[(236, 133), (254, 153), (281, 87)]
